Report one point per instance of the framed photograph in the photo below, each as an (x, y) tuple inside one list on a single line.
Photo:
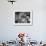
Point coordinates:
[(23, 18)]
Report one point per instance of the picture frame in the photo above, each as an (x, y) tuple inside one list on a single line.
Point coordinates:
[(28, 18)]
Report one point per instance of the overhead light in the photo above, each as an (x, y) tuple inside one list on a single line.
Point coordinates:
[(12, 1)]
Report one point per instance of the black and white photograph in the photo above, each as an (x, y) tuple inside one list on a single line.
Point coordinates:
[(23, 18)]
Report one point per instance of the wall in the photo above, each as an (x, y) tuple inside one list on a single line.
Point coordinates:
[(9, 31)]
